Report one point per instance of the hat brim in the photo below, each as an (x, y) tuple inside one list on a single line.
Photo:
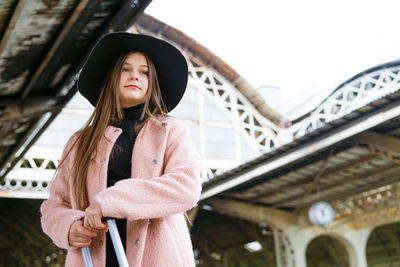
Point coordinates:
[(170, 64)]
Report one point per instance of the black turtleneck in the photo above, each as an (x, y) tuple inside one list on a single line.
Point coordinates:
[(119, 167)]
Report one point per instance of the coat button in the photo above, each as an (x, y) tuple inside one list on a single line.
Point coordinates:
[(154, 161), (137, 241)]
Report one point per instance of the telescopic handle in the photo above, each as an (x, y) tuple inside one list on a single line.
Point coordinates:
[(87, 257), (116, 240), (118, 247)]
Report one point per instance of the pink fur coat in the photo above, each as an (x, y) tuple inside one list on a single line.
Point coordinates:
[(165, 183)]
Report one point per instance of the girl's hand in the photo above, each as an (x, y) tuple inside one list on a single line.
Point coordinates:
[(93, 217), (79, 236)]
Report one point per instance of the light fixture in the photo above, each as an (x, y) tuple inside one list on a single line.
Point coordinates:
[(207, 207), (254, 246)]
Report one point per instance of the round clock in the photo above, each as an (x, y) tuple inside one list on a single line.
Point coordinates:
[(321, 213)]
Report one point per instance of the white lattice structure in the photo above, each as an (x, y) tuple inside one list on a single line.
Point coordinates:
[(31, 176), (350, 96), (261, 133)]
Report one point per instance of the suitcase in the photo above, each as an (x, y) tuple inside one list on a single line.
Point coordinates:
[(118, 247)]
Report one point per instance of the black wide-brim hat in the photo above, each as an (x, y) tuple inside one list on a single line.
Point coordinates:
[(170, 64)]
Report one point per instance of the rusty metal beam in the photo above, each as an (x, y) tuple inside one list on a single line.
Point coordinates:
[(327, 186), (253, 213), (380, 141), (388, 179), (316, 179), (308, 180)]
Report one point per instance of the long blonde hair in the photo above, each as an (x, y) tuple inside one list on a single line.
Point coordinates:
[(108, 111)]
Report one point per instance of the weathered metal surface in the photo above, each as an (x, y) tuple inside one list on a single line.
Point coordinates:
[(33, 26), (6, 11)]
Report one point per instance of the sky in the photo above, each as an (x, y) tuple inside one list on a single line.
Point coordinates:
[(298, 46)]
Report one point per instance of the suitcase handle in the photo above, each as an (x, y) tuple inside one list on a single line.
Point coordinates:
[(118, 247), (87, 257)]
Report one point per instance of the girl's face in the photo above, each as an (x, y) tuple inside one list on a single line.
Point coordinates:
[(134, 80)]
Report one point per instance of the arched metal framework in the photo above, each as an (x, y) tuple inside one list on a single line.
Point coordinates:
[(259, 131), (357, 92)]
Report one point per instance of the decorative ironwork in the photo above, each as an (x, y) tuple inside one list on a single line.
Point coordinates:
[(32, 175), (373, 208), (259, 131), (283, 249), (350, 96)]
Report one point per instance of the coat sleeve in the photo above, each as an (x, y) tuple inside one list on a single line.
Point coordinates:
[(176, 191), (57, 212)]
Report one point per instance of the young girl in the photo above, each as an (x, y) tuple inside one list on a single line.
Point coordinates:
[(130, 161)]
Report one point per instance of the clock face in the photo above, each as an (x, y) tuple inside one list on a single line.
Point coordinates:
[(321, 213)]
